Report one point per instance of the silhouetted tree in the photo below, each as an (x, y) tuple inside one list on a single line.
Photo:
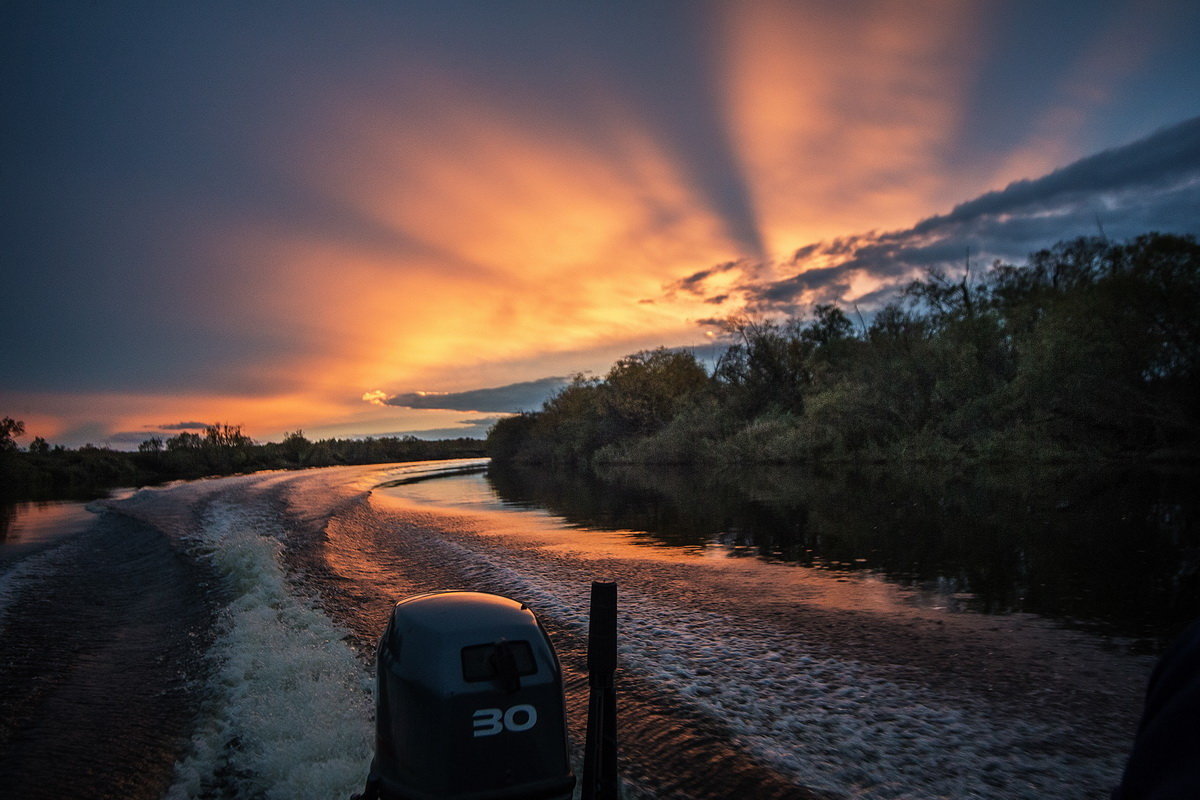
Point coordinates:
[(295, 447), (152, 445), (646, 390), (184, 441), (10, 429)]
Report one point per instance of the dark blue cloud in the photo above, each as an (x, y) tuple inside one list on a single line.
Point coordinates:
[(467, 429), (1149, 185), (1163, 161), (1030, 60), (128, 440), (525, 396)]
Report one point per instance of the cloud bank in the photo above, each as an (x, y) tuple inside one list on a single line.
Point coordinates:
[(1151, 184), (184, 426), (467, 429), (510, 398)]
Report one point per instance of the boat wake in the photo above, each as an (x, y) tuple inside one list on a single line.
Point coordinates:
[(288, 711)]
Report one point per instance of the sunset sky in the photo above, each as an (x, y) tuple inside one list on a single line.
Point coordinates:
[(377, 218)]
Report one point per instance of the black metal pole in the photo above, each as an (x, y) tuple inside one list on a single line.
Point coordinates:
[(600, 780)]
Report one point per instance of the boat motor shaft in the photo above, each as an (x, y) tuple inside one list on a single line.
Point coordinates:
[(600, 777)]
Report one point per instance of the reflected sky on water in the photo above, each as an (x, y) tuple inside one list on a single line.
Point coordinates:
[(1116, 552), (31, 525)]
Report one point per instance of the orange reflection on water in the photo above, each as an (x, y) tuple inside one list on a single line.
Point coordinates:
[(465, 504)]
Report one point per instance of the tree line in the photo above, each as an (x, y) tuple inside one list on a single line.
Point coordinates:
[(1091, 349), (42, 470)]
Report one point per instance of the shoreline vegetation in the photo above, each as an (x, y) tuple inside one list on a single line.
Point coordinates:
[(45, 472), (1088, 353)]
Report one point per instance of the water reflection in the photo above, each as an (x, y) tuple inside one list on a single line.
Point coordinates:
[(8, 516), (26, 528), (1117, 552)]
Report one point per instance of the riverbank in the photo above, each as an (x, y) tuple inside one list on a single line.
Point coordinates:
[(87, 473)]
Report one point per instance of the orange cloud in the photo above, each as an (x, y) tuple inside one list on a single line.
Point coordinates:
[(123, 419), (840, 111), (511, 241), (59, 415), (504, 240)]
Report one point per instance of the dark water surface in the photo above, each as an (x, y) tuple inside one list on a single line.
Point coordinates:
[(784, 634), (102, 626), (27, 527), (1115, 551)]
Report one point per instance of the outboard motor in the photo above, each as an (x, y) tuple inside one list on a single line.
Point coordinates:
[(469, 703)]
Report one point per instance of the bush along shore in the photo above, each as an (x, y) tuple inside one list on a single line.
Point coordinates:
[(1090, 350), (43, 471)]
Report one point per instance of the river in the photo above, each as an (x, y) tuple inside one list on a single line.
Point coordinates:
[(786, 636)]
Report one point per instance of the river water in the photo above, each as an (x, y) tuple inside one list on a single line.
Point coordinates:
[(782, 634)]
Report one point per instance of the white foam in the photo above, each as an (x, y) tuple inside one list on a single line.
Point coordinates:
[(290, 712)]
